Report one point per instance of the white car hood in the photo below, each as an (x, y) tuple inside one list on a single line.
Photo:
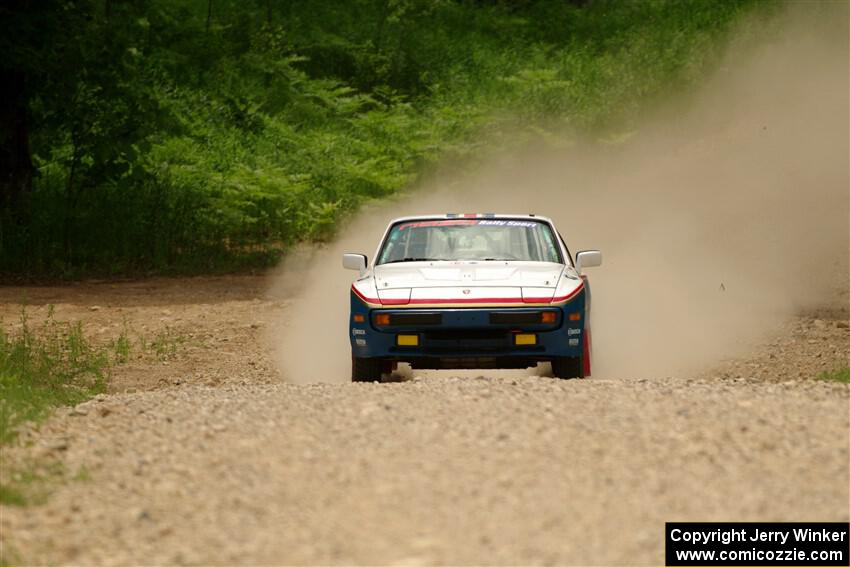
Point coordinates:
[(467, 282)]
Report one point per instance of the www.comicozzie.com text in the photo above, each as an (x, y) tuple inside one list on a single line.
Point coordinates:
[(726, 536)]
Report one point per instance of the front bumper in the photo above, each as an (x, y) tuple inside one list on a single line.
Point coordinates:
[(469, 337)]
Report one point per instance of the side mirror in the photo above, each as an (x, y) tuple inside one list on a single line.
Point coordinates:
[(354, 262), (588, 259)]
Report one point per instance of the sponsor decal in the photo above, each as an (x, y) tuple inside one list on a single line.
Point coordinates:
[(358, 331), (516, 223), (470, 222), (360, 342), (571, 332), (573, 342)]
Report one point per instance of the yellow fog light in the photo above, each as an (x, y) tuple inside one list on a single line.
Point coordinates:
[(525, 339), (359, 318), (575, 316), (407, 340)]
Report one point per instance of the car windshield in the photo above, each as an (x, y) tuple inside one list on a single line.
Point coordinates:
[(470, 239)]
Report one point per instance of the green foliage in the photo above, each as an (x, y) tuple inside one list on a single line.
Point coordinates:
[(841, 375), (46, 367), (11, 496), (43, 367), (29, 484), (121, 346), (50, 365), (206, 135), (164, 345)]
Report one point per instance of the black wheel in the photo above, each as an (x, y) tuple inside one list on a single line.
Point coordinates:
[(568, 367), (366, 369)]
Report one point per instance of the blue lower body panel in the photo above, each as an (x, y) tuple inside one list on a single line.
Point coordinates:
[(469, 337)]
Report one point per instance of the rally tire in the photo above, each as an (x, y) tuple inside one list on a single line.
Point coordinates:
[(568, 367), (366, 369)]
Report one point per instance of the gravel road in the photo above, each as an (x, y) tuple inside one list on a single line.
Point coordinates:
[(507, 469), (439, 468)]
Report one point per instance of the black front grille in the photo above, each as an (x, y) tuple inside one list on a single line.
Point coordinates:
[(520, 318), (467, 335), (399, 319), (463, 343)]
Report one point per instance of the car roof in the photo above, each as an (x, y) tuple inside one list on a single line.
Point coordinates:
[(471, 216)]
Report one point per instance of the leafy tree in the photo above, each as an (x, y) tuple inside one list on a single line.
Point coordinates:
[(198, 135)]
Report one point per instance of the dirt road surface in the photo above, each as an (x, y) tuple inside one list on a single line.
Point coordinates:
[(209, 456)]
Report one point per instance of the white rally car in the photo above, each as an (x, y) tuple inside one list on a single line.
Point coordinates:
[(470, 291)]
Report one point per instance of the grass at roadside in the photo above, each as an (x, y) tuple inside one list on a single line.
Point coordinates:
[(164, 345), (52, 364), (47, 366), (841, 375), (29, 483), (43, 367)]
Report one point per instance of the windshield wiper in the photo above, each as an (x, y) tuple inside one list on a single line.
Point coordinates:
[(408, 260)]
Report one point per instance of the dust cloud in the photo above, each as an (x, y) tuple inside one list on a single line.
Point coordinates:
[(722, 216)]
